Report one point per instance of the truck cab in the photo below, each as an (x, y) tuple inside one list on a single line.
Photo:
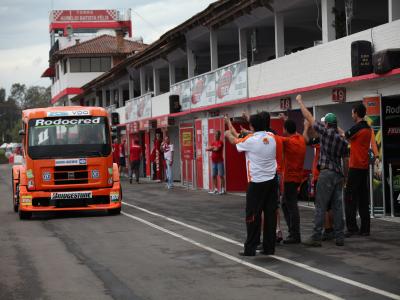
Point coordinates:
[(67, 162)]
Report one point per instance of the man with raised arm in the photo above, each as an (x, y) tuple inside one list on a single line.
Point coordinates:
[(330, 182), (259, 148)]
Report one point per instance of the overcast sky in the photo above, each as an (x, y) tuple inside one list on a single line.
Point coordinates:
[(24, 35)]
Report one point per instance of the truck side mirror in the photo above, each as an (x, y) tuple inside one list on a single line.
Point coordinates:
[(21, 132)]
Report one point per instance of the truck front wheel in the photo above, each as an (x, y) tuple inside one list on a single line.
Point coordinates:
[(16, 198), (24, 215)]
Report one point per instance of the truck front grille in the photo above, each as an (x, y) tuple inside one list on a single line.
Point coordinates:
[(70, 175)]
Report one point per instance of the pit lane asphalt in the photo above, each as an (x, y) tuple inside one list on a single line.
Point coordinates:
[(143, 255)]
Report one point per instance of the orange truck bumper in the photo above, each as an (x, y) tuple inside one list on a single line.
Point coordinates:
[(29, 200)]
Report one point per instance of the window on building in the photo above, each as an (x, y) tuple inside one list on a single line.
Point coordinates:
[(90, 64), (85, 64), (75, 64), (65, 66), (95, 64)]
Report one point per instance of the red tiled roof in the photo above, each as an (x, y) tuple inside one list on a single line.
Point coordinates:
[(102, 45)]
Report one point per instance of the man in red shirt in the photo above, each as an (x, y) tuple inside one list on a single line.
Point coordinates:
[(115, 148), (217, 160), (294, 152), (359, 137), (135, 154)]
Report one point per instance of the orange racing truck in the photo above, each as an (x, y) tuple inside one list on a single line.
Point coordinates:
[(67, 162)]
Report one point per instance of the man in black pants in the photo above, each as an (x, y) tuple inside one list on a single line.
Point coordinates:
[(359, 137), (261, 195)]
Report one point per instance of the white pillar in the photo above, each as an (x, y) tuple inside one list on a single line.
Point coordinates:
[(142, 81), (104, 98), (131, 87), (328, 17), (112, 98), (242, 43), (190, 62), (279, 25), (214, 49), (96, 100), (156, 81), (171, 69), (394, 10), (120, 96)]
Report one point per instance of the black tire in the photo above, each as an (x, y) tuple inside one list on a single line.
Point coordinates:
[(16, 199), (114, 211), (24, 215)]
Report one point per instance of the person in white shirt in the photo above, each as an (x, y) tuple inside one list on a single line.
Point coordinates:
[(168, 150), (260, 150)]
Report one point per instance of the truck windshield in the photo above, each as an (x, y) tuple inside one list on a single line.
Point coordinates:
[(68, 137)]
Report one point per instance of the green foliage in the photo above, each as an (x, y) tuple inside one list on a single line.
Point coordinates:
[(20, 98)]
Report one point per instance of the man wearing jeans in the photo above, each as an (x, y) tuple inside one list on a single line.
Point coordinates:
[(168, 150), (217, 160), (330, 182)]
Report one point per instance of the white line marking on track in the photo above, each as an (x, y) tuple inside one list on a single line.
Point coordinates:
[(289, 261), (239, 261)]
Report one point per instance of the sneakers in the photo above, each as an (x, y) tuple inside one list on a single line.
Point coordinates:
[(312, 243), (245, 253), (214, 192), (222, 192), (291, 240)]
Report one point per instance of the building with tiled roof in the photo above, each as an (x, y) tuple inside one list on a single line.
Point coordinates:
[(84, 45)]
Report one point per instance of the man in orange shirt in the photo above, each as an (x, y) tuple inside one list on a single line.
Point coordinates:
[(359, 137), (294, 153)]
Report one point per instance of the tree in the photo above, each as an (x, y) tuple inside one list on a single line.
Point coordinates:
[(37, 96), (18, 94), (2, 95)]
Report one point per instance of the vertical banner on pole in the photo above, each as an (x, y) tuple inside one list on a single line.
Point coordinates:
[(187, 149), (147, 152), (199, 153), (373, 118)]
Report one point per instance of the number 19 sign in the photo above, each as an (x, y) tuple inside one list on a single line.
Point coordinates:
[(339, 95)]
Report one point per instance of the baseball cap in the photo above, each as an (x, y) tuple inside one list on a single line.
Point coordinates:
[(329, 118)]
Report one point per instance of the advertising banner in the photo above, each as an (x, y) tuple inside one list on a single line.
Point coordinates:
[(391, 146), (143, 106), (373, 119), (202, 90), (130, 111), (182, 89), (231, 82)]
